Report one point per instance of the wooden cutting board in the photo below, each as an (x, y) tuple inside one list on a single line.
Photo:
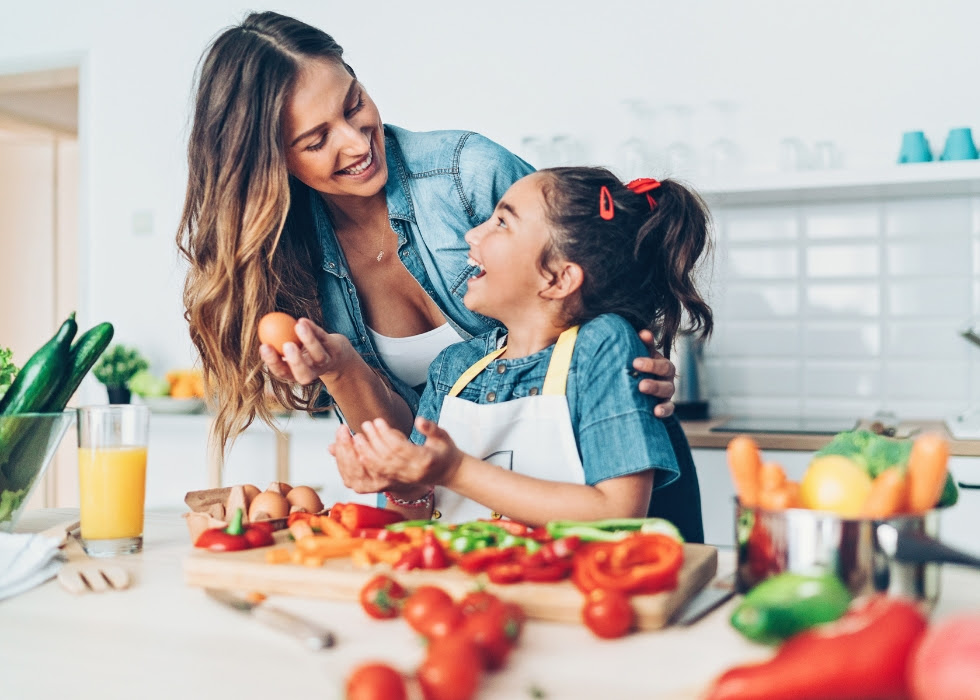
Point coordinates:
[(339, 579)]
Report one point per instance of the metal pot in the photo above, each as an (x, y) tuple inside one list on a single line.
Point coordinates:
[(899, 556), (690, 388)]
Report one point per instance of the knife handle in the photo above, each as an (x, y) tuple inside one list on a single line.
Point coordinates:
[(311, 634)]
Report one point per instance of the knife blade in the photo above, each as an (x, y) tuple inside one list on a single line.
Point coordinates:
[(706, 600), (311, 634)]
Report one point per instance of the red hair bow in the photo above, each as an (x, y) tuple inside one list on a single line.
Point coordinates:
[(643, 185)]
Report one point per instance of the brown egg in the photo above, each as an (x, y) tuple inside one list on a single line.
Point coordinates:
[(277, 329), (251, 492), (279, 487), (268, 505), (304, 498)]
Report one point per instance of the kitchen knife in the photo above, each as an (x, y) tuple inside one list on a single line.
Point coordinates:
[(709, 598), (311, 634)]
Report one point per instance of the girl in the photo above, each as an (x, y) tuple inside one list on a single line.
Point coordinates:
[(543, 420), (300, 199)]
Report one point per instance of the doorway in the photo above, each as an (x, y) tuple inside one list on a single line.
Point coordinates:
[(39, 217)]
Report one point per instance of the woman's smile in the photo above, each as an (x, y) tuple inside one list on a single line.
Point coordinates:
[(361, 167)]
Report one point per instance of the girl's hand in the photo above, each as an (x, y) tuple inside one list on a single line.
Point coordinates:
[(355, 474), (663, 369), (387, 452), (321, 354)]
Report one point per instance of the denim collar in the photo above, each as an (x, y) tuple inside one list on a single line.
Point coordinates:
[(399, 208)]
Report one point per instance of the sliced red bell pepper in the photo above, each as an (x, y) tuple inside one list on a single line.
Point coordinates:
[(433, 554), (379, 533), (641, 563), (480, 559), (411, 559), (562, 548), (355, 516), (505, 572), (511, 526)]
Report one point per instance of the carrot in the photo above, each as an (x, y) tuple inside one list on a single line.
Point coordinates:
[(888, 496), (278, 556), (927, 471), (780, 497), (334, 529), (326, 546), (771, 476), (301, 529), (745, 464)]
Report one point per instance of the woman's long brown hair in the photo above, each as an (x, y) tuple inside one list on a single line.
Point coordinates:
[(249, 254)]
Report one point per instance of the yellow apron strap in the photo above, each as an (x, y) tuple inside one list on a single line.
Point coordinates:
[(561, 360), (469, 374)]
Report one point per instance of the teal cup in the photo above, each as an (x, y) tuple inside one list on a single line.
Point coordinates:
[(915, 148), (959, 145)]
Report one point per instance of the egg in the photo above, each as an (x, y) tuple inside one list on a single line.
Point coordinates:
[(277, 329), (251, 492), (304, 498), (268, 505)]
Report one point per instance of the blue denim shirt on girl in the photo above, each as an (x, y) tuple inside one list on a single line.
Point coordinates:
[(440, 185)]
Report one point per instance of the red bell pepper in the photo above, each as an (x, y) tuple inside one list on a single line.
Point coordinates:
[(861, 656), (355, 516), (379, 533), (433, 554), (640, 563), (511, 526), (236, 537), (411, 559), (480, 559)]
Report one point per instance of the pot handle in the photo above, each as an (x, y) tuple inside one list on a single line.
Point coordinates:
[(916, 548)]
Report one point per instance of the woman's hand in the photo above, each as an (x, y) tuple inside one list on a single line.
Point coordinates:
[(322, 354), (663, 369)]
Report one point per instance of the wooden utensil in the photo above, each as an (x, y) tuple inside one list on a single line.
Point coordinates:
[(81, 573)]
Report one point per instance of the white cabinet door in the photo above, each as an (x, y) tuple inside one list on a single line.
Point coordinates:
[(960, 526)]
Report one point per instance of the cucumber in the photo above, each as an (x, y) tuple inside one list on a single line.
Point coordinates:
[(83, 355), (38, 380), (34, 385)]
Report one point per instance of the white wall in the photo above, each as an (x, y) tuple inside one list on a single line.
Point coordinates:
[(856, 73)]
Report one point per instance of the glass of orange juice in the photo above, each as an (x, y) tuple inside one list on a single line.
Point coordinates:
[(112, 443)]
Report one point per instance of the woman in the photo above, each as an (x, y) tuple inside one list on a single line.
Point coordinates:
[(300, 200)]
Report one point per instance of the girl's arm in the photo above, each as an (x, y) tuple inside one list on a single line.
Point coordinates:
[(359, 391)]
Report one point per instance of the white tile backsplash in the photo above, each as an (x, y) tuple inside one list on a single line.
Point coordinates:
[(861, 220), (846, 308), (823, 340), (931, 298), (841, 261), (932, 217), (842, 300)]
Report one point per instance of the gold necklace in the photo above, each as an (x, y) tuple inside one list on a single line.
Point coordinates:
[(381, 249)]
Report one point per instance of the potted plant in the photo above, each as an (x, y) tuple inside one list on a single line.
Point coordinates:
[(116, 367)]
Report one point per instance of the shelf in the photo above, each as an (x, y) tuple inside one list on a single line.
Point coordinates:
[(895, 181)]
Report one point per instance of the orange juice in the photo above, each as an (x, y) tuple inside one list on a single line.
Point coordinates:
[(112, 485)]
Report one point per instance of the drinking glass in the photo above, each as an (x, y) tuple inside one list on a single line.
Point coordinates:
[(722, 155), (680, 157), (634, 154), (112, 443)]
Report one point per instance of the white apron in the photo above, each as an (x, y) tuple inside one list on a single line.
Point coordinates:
[(531, 435)]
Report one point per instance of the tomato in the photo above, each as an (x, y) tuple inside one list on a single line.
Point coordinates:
[(382, 597), (441, 621), (451, 669), (479, 600), (421, 603), (488, 630), (375, 681), (608, 613)]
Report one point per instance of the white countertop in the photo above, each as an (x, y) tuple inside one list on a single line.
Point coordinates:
[(163, 639)]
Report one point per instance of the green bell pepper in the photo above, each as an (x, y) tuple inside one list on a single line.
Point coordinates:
[(788, 603)]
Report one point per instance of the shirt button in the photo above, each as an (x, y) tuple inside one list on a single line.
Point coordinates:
[(533, 391), (501, 368), (363, 338), (492, 396)]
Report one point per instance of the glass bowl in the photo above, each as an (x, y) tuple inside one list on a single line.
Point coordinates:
[(28, 442)]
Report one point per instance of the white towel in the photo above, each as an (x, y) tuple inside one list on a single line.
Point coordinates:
[(26, 561)]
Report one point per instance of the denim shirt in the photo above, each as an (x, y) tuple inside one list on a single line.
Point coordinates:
[(440, 185), (614, 426)]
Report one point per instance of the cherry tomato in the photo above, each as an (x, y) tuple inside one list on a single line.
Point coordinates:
[(451, 670), (488, 630), (375, 681), (475, 601), (421, 604), (440, 622), (608, 613), (382, 597)]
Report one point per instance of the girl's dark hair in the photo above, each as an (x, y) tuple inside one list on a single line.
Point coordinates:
[(249, 249), (641, 263)]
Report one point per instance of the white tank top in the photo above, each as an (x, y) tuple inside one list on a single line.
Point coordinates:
[(409, 358)]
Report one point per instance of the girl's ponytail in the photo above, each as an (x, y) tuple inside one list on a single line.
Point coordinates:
[(639, 246)]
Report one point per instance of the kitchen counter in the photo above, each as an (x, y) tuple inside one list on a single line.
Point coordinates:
[(699, 434), (163, 639)]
